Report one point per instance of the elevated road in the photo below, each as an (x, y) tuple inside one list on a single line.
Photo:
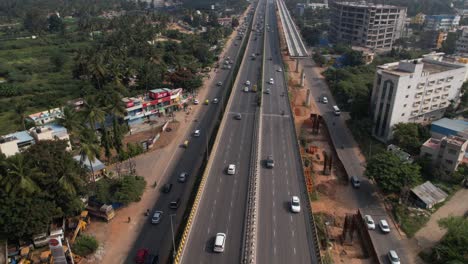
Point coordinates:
[(296, 47), (283, 237), (158, 238), (223, 202)]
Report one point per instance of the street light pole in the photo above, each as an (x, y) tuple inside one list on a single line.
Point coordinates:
[(173, 243)]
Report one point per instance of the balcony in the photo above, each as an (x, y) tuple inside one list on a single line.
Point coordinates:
[(449, 79), (420, 86), (429, 92), (446, 88), (438, 90), (445, 96), (414, 113), (425, 109), (434, 107), (426, 101), (431, 83), (416, 104), (418, 95), (443, 104)]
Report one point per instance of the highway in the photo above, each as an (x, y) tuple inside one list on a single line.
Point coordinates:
[(158, 238), (223, 203), (283, 237)]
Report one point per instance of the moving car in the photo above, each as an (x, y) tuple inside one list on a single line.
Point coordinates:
[(196, 101), (268, 91), (355, 181), (182, 177), (383, 224), (279, 70), (325, 100), (369, 222), (393, 257), (231, 170), (207, 101), (141, 255), (270, 163), (271, 81), (185, 143), (157, 217), (167, 188), (238, 116), (219, 243), (295, 205), (219, 83), (174, 204), (215, 101), (246, 89), (196, 133), (247, 82)]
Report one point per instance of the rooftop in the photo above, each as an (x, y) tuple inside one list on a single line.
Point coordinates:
[(429, 65), (21, 136), (365, 4), (432, 143), (97, 165), (429, 193), (452, 124)]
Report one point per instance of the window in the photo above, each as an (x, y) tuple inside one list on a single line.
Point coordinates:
[(406, 96), (452, 151), (409, 86), (403, 114), (449, 161), (404, 105)]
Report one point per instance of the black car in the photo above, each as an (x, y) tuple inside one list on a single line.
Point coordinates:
[(174, 204), (167, 187)]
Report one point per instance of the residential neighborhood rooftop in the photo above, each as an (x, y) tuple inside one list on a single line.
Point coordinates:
[(429, 193)]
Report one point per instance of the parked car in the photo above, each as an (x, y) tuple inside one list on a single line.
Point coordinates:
[(141, 255), (196, 133), (219, 83), (167, 188), (268, 91), (271, 81), (369, 222), (247, 82), (207, 102), (383, 224), (157, 217), (196, 101), (325, 100)]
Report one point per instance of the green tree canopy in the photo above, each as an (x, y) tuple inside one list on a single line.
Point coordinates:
[(453, 248), (410, 136), (391, 174)]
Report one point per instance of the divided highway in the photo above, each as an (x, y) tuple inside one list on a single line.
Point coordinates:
[(158, 238), (223, 203), (283, 236)]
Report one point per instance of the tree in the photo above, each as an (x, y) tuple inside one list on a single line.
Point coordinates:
[(234, 22), (56, 24), (353, 58), (448, 46), (410, 136), (19, 176), (453, 246), (58, 59), (34, 21), (20, 111), (89, 148), (92, 112), (391, 174), (85, 245), (464, 97), (71, 121)]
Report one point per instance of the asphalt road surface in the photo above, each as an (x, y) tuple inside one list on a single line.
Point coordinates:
[(284, 237), (223, 204), (158, 238), (367, 198)]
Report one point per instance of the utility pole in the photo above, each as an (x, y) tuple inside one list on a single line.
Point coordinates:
[(173, 243)]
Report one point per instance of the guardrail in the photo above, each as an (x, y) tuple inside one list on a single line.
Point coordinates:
[(201, 187), (313, 231), (249, 245)]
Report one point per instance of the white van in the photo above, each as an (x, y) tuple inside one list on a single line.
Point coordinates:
[(336, 110), (220, 240)]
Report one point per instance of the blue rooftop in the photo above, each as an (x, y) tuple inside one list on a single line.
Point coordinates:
[(455, 125), (55, 127), (22, 136), (97, 164)]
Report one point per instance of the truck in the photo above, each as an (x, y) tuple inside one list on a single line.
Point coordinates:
[(254, 88), (100, 210)]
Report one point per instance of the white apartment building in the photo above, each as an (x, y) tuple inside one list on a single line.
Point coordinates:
[(413, 91), (374, 26), (441, 22)]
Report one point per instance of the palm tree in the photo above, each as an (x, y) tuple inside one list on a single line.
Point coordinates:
[(68, 179), (71, 121), (20, 111), (92, 112), (89, 148), (19, 176)]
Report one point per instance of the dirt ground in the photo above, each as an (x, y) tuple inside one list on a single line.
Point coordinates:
[(333, 201)]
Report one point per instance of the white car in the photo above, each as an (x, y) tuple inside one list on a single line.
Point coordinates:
[(196, 101), (196, 133), (383, 224), (279, 70), (295, 205), (268, 91), (247, 82), (271, 81), (219, 83), (182, 177), (325, 100), (369, 222), (215, 101), (157, 216), (393, 257), (231, 170), (246, 89)]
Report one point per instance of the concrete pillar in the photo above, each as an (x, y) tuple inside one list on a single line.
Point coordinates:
[(308, 98), (302, 78), (297, 65)]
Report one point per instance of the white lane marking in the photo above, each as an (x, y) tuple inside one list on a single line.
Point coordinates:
[(274, 233), (232, 203), (274, 204), (294, 251), (290, 217), (215, 202), (274, 250), (293, 233), (208, 230)]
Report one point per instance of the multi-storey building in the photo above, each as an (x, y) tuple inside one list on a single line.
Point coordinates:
[(446, 153), (414, 91), (461, 46), (156, 102), (364, 24), (441, 22)]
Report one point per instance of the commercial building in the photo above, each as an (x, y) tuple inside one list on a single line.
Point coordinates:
[(449, 127), (368, 25), (157, 102), (446, 153), (414, 91), (441, 22)]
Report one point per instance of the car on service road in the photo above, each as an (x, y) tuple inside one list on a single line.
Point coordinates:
[(270, 163), (182, 177), (196, 133), (393, 257), (369, 222), (238, 116), (157, 217), (167, 188)]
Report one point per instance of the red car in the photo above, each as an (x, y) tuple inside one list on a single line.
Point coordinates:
[(141, 255)]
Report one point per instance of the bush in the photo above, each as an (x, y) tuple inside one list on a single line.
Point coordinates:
[(129, 189), (85, 245)]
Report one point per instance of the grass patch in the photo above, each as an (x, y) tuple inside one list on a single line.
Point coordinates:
[(361, 130), (410, 221)]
